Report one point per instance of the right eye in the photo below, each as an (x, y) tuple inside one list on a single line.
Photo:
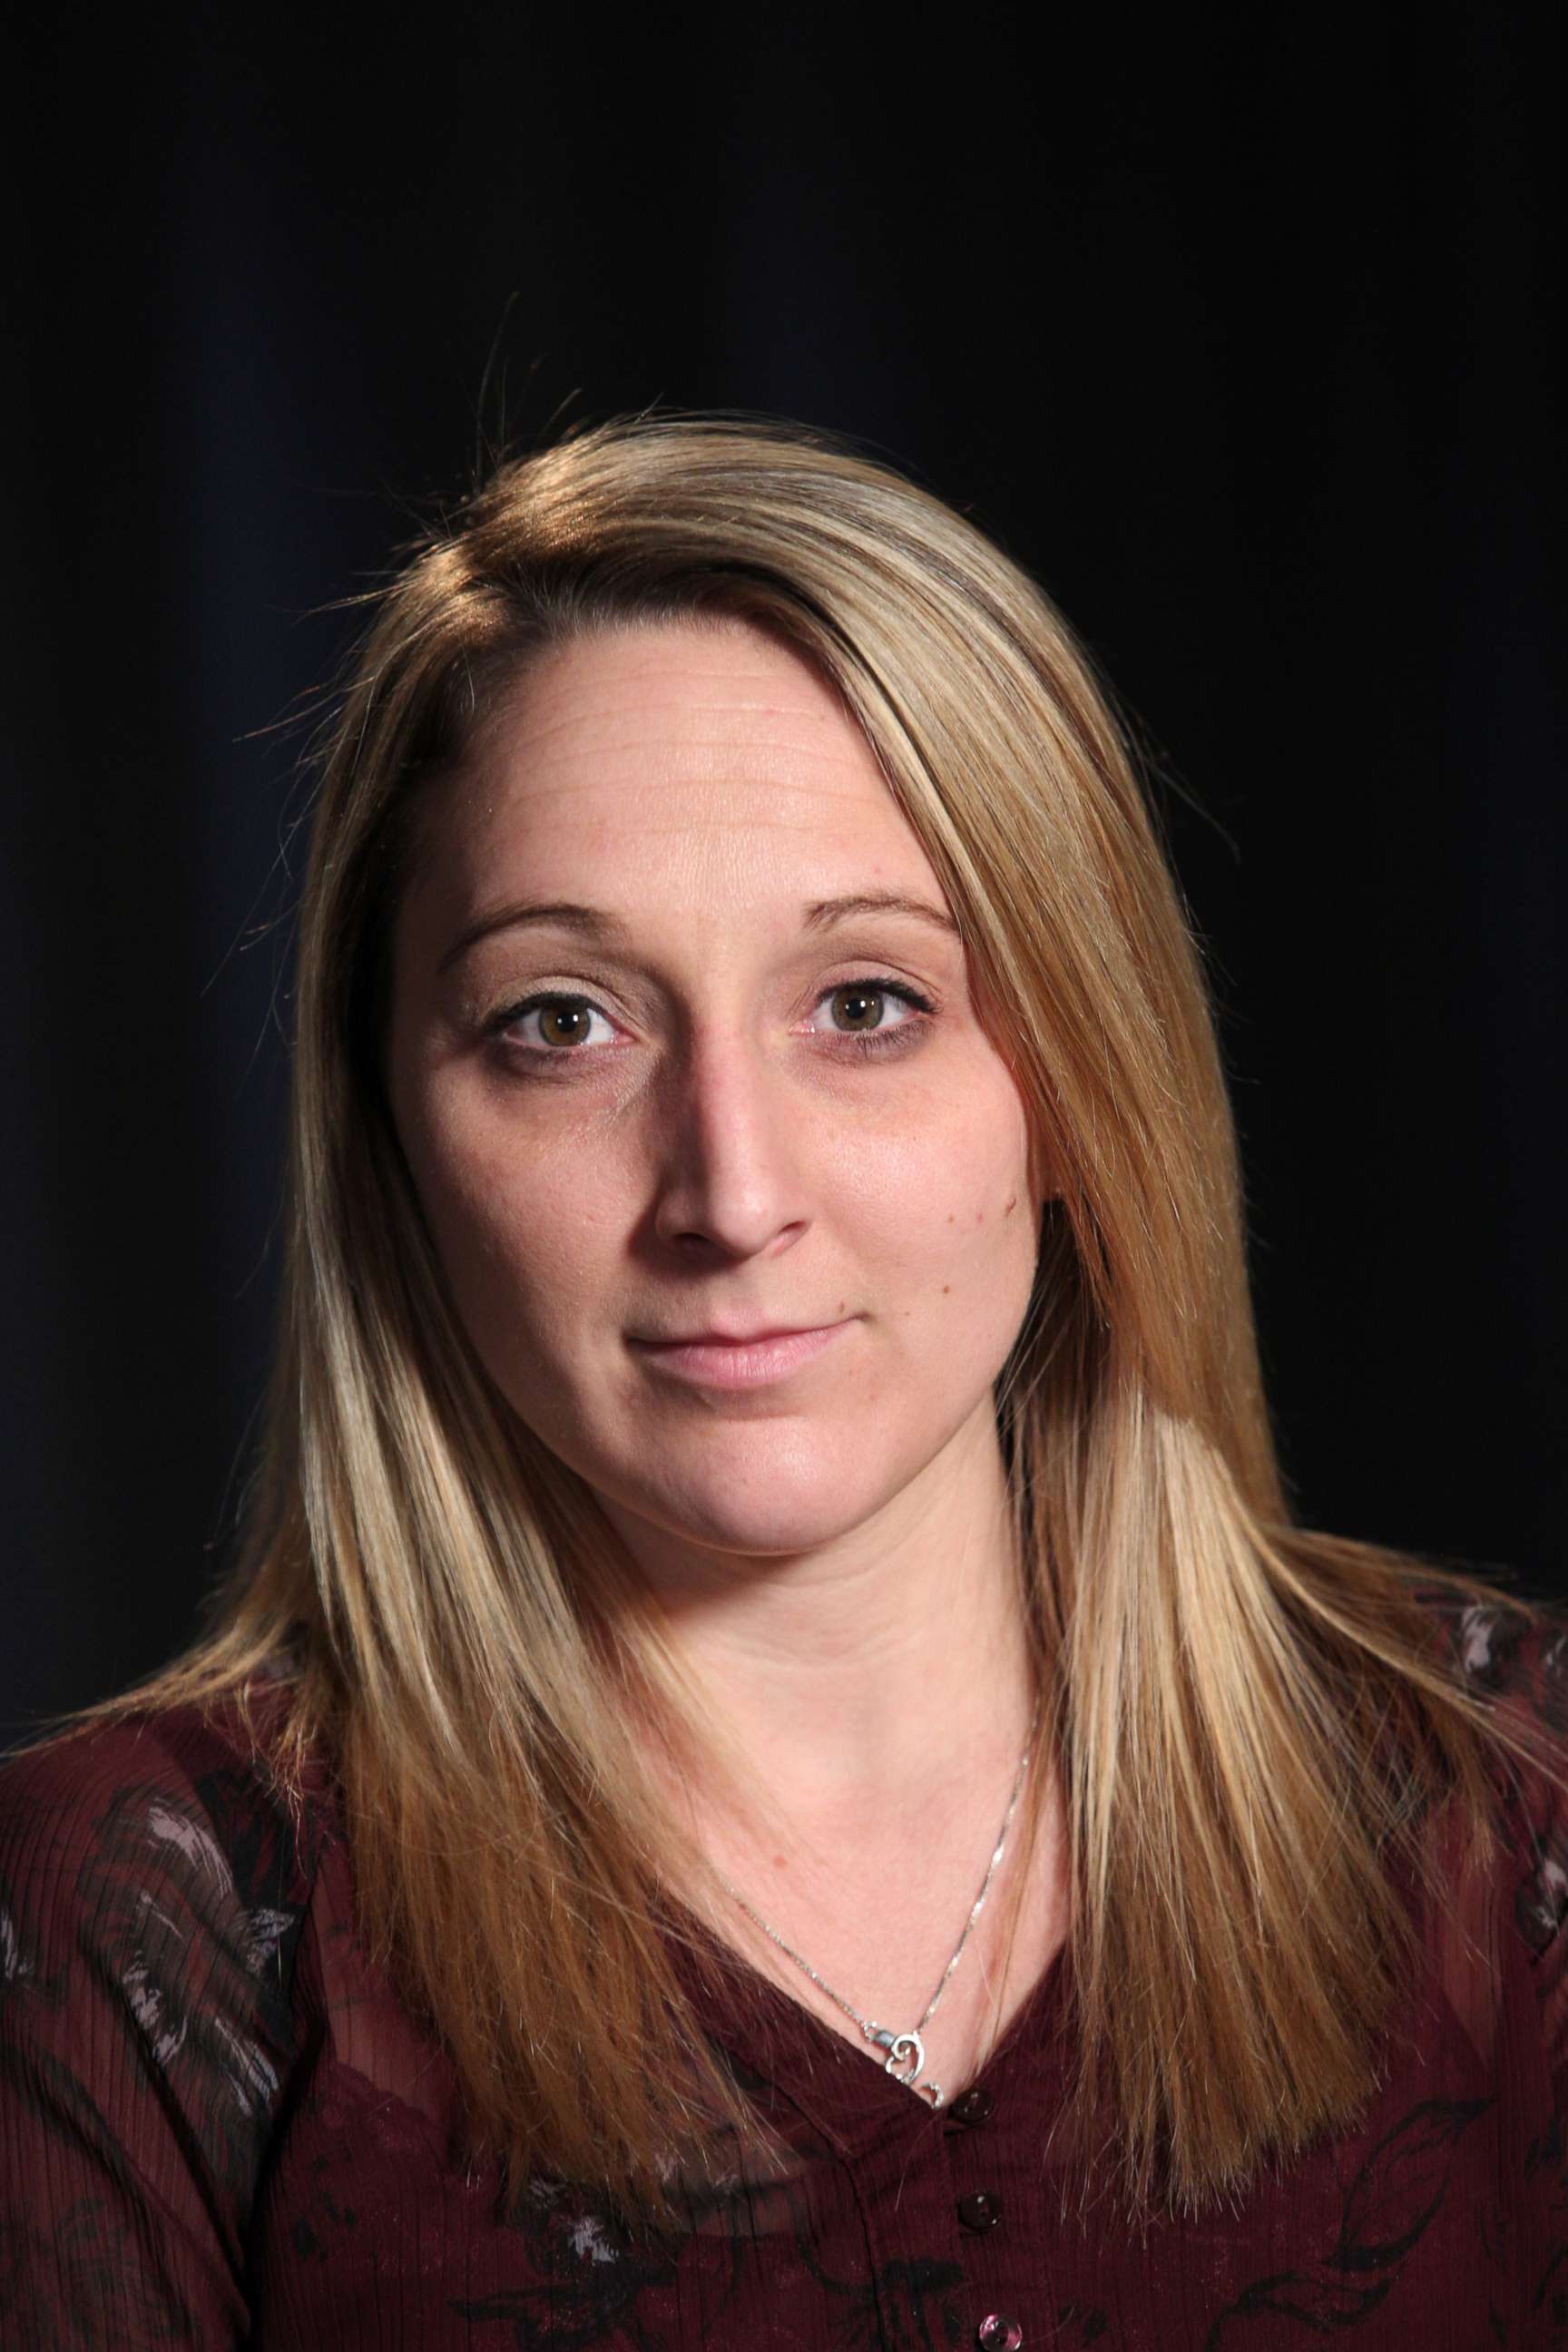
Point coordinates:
[(564, 1024)]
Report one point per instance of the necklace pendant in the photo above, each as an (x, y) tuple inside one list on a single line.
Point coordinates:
[(906, 2060)]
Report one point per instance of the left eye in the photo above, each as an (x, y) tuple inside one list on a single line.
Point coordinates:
[(863, 1000)]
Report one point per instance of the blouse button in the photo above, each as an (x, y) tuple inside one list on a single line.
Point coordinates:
[(977, 2106), (979, 2210), (997, 2333)]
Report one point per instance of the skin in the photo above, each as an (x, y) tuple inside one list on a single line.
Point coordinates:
[(696, 1139)]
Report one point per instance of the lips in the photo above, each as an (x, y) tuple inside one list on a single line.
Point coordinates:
[(730, 1338), (727, 1362)]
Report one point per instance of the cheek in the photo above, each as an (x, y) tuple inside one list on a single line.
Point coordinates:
[(955, 1187), (521, 1239), (985, 1246), (944, 1226)]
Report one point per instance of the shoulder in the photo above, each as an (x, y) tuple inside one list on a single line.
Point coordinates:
[(154, 1884), (1513, 1649), (178, 1806), (1513, 1655)]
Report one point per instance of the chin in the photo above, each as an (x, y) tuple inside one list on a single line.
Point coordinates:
[(781, 1518)]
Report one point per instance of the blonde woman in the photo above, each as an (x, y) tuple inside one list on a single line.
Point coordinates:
[(776, 1772)]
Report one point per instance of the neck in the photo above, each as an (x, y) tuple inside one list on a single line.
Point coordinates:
[(853, 1673)]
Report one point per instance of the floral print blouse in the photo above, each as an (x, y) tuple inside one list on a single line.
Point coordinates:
[(218, 2126)]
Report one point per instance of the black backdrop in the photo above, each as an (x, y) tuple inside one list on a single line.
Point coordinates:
[(1237, 333)]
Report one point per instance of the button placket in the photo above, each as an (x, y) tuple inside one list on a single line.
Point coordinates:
[(979, 2209)]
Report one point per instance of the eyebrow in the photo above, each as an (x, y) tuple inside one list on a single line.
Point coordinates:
[(595, 923)]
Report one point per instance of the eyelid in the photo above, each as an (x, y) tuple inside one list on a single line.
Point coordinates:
[(538, 1001), (915, 1002)]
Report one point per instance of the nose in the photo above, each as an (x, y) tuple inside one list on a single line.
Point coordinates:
[(730, 1177)]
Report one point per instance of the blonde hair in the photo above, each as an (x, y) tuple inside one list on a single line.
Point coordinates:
[(1250, 1720)]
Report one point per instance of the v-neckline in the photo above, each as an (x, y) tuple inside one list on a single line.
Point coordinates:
[(840, 2085)]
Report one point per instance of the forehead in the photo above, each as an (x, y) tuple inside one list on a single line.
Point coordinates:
[(674, 748)]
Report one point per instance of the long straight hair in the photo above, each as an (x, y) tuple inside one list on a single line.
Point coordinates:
[(1249, 1721)]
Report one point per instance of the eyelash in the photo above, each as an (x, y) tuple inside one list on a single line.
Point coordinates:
[(864, 1046)]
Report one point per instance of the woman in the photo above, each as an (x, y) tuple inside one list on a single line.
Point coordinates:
[(776, 1772)]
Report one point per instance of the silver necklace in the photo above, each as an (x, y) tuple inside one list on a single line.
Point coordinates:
[(906, 2057)]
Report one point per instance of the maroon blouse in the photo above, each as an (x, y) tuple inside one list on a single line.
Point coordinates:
[(220, 2127)]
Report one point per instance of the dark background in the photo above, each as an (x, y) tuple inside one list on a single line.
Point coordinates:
[(1239, 334)]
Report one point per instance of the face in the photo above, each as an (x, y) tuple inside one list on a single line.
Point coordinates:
[(664, 1069)]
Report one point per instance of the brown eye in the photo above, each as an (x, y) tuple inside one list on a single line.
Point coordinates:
[(563, 1022), (551, 1025), (860, 1007), (869, 1014)]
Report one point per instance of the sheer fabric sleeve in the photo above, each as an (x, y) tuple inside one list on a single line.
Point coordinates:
[(1524, 1668), (1541, 1906), (149, 1903)]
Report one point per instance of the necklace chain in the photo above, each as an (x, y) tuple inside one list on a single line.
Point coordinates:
[(906, 2055)]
